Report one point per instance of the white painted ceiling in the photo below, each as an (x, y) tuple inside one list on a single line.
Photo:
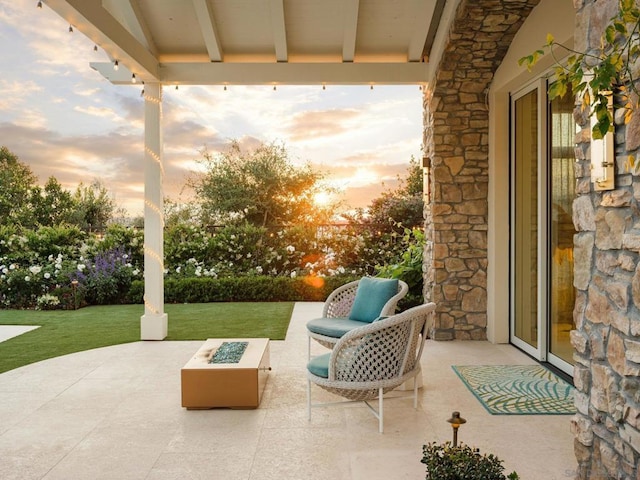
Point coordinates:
[(264, 41)]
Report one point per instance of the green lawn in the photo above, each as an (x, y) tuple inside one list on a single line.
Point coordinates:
[(68, 331)]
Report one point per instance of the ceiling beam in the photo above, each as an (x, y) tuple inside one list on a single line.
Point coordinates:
[(279, 30), (103, 29), (280, 73), (421, 12), (204, 13), (350, 25), (128, 13), (436, 19)]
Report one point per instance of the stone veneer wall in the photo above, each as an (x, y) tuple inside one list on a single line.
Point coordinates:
[(456, 126), (607, 279)]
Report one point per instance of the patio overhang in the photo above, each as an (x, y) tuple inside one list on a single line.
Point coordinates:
[(256, 42), (249, 42)]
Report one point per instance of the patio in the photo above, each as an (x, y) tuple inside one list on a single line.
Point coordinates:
[(114, 413)]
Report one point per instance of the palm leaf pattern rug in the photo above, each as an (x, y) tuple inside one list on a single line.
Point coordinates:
[(518, 389)]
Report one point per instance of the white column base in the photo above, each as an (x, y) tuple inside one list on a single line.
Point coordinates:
[(154, 327)]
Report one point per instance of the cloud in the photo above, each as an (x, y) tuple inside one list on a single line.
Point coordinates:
[(14, 93), (322, 123), (102, 112)]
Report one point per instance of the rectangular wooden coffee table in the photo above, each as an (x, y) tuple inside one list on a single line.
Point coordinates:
[(234, 382)]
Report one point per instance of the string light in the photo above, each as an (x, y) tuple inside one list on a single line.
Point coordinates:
[(225, 88), (133, 78), (70, 29), (274, 88), (95, 48), (371, 87), (324, 87), (176, 87), (39, 4), (116, 66)]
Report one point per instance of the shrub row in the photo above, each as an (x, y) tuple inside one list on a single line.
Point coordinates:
[(243, 289)]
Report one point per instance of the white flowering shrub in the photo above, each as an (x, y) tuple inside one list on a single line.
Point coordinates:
[(82, 270)]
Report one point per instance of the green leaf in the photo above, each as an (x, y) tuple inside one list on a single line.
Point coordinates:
[(557, 89), (610, 34)]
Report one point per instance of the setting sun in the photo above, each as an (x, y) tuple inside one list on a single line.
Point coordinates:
[(322, 199)]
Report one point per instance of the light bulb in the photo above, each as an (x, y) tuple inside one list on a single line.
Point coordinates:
[(39, 4), (70, 29), (133, 78), (95, 48), (116, 65), (225, 88), (324, 87)]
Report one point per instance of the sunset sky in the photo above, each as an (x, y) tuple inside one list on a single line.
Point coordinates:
[(64, 119)]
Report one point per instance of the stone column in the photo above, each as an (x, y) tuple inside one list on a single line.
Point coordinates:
[(456, 128), (154, 323), (607, 282)]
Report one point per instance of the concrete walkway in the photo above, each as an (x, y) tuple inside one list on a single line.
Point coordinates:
[(115, 413)]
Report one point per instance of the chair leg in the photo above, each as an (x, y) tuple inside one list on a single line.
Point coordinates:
[(308, 347), (380, 410), (415, 393), (309, 400)]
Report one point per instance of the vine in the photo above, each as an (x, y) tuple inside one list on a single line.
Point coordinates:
[(595, 75)]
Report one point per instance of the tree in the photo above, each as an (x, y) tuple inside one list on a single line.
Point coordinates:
[(16, 182), (405, 205), (51, 205), (94, 206), (259, 186)]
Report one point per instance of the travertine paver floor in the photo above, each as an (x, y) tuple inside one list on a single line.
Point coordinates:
[(114, 413)]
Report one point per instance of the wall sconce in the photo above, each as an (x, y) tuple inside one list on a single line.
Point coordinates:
[(456, 420), (603, 158), (426, 186)]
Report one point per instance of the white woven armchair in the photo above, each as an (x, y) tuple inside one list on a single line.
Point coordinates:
[(338, 306), (371, 360)]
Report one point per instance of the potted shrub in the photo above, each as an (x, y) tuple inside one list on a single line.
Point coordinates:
[(461, 462)]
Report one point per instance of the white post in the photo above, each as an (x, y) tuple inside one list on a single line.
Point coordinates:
[(154, 323)]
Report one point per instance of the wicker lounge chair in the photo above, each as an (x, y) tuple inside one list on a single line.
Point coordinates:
[(371, 360), (337, 315)]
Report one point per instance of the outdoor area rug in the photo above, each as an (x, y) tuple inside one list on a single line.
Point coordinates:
[(518, 389)]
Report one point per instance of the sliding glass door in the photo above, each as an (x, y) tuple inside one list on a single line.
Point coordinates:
[(542, 192)]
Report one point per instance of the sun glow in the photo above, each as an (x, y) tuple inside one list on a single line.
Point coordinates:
[(322, 199)]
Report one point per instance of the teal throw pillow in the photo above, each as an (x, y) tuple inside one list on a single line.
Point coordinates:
[(371, 296)]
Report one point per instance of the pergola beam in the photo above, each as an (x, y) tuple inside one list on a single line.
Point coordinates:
[(279, 73), (350, 26), (96, 23), (129, 14), (421, 12), (279, 30), (204, 13)]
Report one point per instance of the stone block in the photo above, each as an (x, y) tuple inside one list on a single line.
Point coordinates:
[(581, 429), (583, 214), (475, 300), (579, 341), (632, 350), (617, 198)]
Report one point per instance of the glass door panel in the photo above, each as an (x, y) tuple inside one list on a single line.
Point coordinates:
[(561, 230), (525, 219)]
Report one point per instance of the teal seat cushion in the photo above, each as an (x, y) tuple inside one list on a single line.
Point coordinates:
[(332, 327), (371, 296), (319, 365)]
